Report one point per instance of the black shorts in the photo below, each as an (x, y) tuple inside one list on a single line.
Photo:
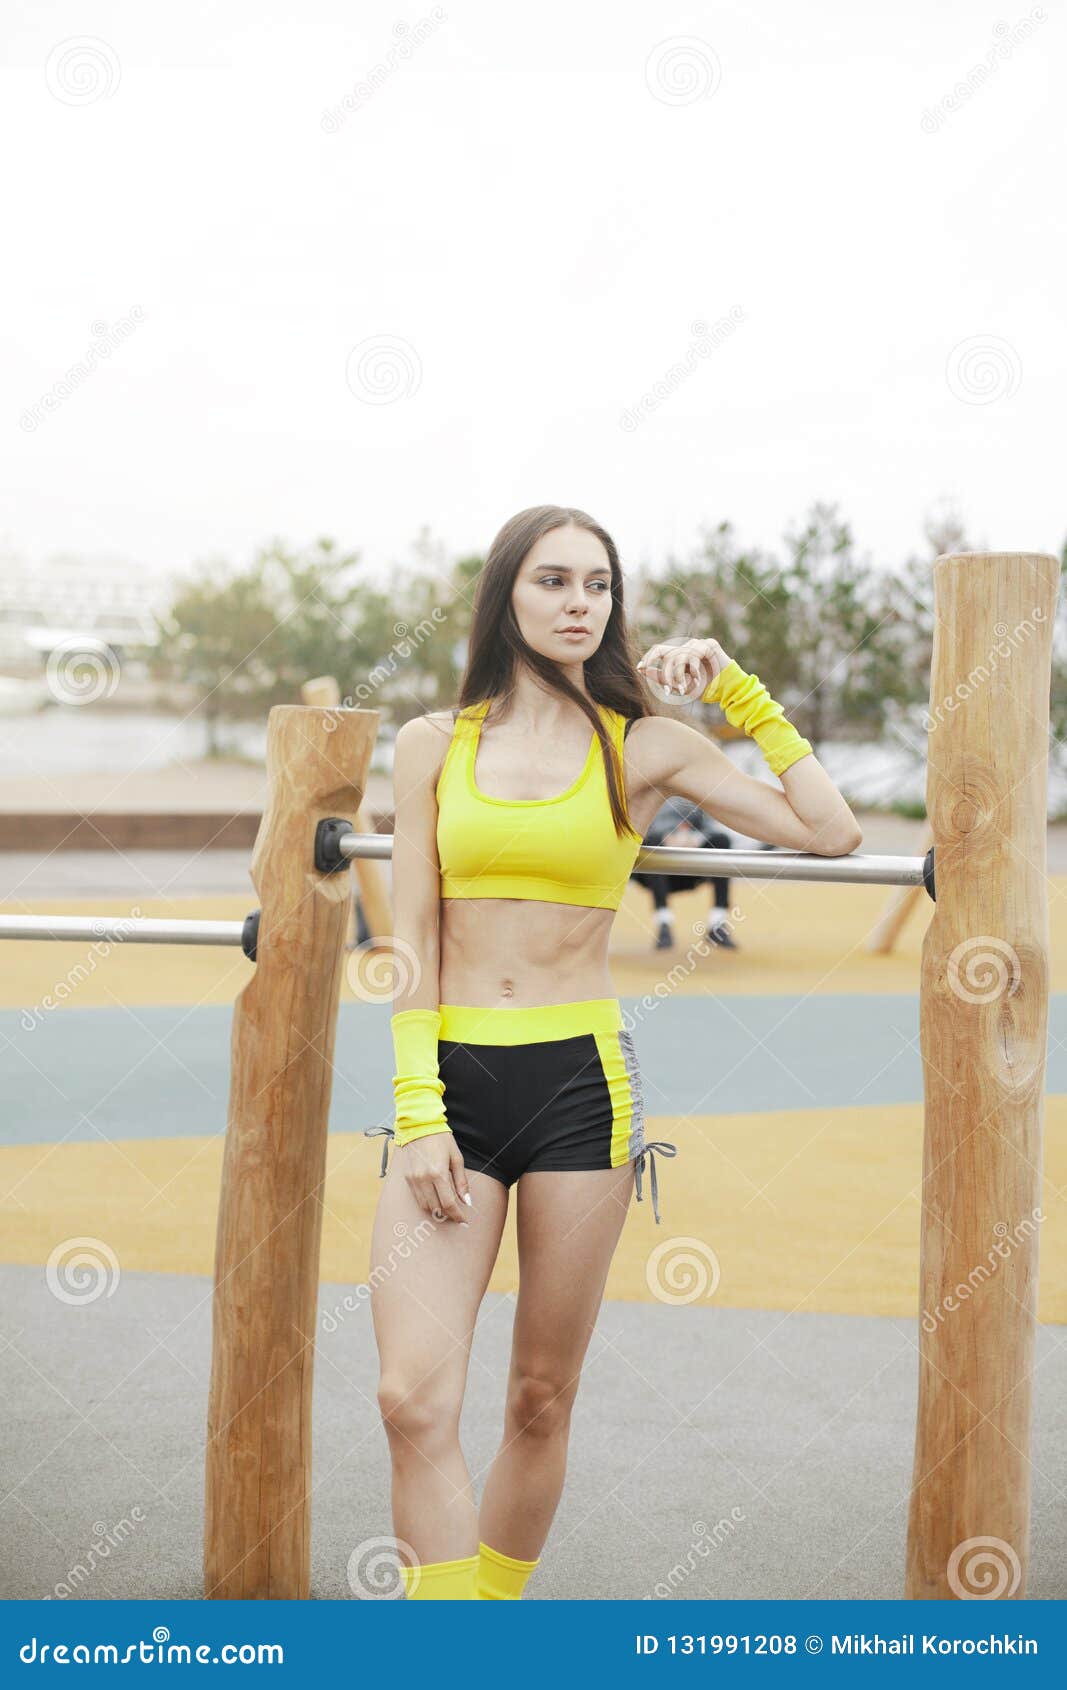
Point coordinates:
[(552, 1087)]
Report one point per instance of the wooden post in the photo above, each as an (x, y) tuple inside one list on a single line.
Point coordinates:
[(373, 895), (984, 1018), (257, 1522)]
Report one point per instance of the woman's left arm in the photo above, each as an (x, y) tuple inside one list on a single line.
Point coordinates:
[(808, 814)]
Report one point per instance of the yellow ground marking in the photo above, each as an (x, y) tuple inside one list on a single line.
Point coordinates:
[(807, 1210), (794, 938)]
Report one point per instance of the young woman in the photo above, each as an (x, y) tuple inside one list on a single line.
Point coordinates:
[(518, 819)]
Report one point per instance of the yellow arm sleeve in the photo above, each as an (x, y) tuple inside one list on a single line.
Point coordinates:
[(417, 1088), (746, 703)]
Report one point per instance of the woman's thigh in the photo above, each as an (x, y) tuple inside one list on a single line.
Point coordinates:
[(568, 1225), (427, 1282)]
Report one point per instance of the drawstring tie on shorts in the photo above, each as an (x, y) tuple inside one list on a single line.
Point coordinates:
[(369, 1132), (663, 1145), (652, 1145)]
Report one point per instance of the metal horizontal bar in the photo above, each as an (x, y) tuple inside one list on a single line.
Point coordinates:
[(705, 863), (129, 930), (700, 863)]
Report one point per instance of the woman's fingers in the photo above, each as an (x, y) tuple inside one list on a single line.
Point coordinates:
[(433, 1174), (446, 1199), (686, 668), (435, 1193), (654, 664), (672, 667), (459, 1177)]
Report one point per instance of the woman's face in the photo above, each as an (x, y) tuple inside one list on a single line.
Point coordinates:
[(564, 582)]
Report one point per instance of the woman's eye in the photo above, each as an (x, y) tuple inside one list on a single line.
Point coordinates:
[(547, 580)]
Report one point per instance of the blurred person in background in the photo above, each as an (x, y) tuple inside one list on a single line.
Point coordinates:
[(679, 822)]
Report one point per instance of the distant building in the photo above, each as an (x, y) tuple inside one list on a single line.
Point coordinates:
[(70, 603)]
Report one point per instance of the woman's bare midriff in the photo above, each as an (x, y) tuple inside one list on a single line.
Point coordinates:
[(518, 952)]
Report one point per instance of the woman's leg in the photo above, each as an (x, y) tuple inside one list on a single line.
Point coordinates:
[(662, 915), (720, 840), (428, 1279), (568, 1226)]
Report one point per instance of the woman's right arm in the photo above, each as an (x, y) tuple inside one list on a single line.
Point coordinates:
[(432, 1161)]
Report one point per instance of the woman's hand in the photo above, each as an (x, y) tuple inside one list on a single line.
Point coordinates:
[(436, 1173), (687, 667)]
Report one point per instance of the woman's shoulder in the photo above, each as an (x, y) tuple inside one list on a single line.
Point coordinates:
[(656, 740), (446, 720), (632, 725), (424, 739), (422, 745), (437, 719), (433, 732)]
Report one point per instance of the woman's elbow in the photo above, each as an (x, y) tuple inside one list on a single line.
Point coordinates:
[(837, 840), (841, 844)]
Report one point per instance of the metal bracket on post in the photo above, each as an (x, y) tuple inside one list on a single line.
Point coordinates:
[(928, 873), (328, 859), (250, 934)]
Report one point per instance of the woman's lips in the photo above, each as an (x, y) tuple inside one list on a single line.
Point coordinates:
[(575, 633)]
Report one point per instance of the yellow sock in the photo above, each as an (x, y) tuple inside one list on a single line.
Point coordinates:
[(441, 1581), (500, 1577)]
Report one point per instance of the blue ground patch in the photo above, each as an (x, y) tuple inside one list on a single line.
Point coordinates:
[(159, 1072)]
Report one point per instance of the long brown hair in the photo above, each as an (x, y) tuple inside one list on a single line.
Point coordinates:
[(497, 647)]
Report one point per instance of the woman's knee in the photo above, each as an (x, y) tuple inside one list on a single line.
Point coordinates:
[(415, 1410), (540, 1405)]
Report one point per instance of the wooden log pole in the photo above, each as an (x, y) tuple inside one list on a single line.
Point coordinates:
[(983, 1023), (257, 1524), (373, 894)]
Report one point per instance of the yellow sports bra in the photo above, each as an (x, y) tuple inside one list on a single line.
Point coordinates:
[(561, 850)]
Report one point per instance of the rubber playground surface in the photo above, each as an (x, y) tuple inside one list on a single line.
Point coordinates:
[(751, 1382)]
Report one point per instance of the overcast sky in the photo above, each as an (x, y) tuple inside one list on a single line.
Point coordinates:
[(672, 264)]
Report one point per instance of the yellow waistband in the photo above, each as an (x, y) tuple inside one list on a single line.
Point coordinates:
[(471, 1024)]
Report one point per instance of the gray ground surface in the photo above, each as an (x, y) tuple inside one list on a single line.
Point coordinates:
[(781, 1444)]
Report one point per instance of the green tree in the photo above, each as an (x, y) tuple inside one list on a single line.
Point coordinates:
[(247, 639)]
